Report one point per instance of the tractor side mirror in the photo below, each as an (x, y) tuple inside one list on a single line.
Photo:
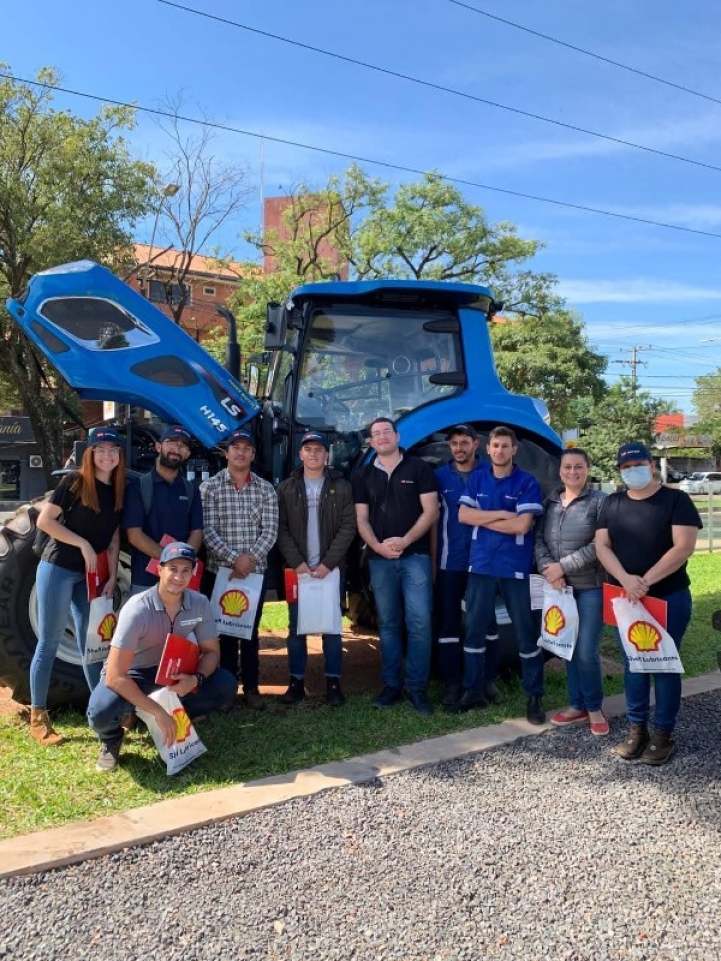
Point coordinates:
[(276, 325)]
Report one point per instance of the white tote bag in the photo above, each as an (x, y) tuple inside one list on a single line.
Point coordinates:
[(102, 621), (649, 648), (187, 744), (235, 602), (559, 622), (319, 604)]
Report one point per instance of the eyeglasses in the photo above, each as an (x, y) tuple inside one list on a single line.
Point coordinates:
[(107, 451), (179, 444), (382, 433)]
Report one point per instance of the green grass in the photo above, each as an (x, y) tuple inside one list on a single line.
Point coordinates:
[(44, 787)]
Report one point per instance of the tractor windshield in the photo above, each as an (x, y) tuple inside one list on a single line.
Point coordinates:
[(357, 365)]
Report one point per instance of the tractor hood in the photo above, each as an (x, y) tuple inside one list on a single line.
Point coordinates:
[(109, 343)]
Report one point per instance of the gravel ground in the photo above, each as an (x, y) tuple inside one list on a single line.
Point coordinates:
[(550, 848)]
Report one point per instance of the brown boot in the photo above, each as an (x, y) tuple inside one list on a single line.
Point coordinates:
[(659, 748), (41, 728), (635, 743)]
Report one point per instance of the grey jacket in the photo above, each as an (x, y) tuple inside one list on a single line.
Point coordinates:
[(566, 534)]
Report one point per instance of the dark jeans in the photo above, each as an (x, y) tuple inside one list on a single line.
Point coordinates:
[(249, 667), (106, 707), (450, 590)]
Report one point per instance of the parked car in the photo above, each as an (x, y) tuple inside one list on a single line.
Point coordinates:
[(674, 476), (702, 482)]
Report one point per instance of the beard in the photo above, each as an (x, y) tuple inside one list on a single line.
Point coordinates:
[(170, 461)]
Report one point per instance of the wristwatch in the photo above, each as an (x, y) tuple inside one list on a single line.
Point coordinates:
[(199, 678)]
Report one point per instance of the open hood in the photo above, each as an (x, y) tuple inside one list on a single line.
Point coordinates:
[(109, 343)]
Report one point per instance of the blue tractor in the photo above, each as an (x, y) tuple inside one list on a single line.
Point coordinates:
[(337, 355)]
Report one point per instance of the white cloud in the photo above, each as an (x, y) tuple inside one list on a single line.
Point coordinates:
[(634, 291)]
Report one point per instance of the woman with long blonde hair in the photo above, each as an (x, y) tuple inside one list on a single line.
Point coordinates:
[(82, 520)]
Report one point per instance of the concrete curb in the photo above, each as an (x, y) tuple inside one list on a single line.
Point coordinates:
[(80, 841)]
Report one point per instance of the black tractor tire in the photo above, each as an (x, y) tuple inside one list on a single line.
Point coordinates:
[(18, 639)]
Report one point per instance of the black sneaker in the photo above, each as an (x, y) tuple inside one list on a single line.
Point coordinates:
[(534, 710), (493, 694), (388, 696), (334, 695), (471, 700), (295, 693), (419, 701), (451, 697), (109, 756)]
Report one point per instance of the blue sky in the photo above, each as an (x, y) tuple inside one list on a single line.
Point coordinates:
[(634, 284)]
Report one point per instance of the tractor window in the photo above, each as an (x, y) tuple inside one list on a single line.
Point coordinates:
[(357, 365), (96, 323)]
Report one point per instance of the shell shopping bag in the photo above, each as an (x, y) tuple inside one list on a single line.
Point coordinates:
[(559, 622), (649, 648), (235, 602), (187, 744)]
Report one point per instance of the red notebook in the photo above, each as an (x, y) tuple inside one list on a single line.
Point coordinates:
[(291, 585), (98, 579), (656, 606), (152, 566), (180, 656)]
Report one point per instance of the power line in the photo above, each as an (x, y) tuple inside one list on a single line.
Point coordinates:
[(633, 362), (436, 86), (587, 53), (357, 158)]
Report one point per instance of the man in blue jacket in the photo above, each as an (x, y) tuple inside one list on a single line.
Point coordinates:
[(501, 504)]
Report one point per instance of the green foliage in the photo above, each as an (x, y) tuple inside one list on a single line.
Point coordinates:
[(68, 190), (548, 357), (707, 401), (622, 415)]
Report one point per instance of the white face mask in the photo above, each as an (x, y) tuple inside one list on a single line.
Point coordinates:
[(636, 478)]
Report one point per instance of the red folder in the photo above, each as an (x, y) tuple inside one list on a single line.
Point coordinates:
[(153, 564), (99, 577), (180, 656), (656, 606), (291, 585)]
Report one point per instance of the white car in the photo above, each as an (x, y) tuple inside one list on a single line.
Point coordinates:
[(702, 482)]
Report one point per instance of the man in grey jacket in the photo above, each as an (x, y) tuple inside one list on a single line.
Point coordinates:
[(316, 527)]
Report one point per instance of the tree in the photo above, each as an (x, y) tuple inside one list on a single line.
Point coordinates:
[(622, 415), (548, 357), (707, 402), (68, 190)]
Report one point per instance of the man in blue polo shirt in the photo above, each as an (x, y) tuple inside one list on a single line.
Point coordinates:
[(501, 503), (174, 507)]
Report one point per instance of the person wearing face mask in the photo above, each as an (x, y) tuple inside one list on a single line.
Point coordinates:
[(644, 538)]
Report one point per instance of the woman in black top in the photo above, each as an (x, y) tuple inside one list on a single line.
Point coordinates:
[(82, 518)]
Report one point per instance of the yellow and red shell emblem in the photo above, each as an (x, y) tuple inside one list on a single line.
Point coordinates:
[(106, 628), (644, 636), (182, 724), (234, 603), (554, 620)]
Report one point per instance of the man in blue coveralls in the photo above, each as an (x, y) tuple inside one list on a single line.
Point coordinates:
[(501, 503)]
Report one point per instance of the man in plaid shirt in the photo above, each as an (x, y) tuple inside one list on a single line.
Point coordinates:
[(240, 512)]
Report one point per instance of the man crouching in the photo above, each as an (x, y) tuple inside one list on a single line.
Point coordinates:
[(135, 651)]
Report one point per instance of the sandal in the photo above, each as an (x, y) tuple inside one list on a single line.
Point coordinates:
[(569, 716)]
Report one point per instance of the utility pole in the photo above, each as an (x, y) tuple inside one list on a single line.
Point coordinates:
[(633, 362)]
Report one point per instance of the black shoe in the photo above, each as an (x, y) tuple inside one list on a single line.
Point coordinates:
[(334, 695), (451, 697), (493, 694), (470, 700), (295, 693), (534, 710), (109, 756), (419, 701), (388, 696)]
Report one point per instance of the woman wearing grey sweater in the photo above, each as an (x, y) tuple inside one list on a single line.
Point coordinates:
[(566, 556)]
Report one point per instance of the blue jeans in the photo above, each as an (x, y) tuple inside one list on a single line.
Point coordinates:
[(298, 648), (667, 686), (59, 592), (480, 611), (106, 707), (404, 588), (583, 671)]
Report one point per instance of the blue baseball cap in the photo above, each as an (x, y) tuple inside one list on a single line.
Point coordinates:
[(239, 435), (103, 435), (178, 551), (635, 450), (175, 432), (313, 437)]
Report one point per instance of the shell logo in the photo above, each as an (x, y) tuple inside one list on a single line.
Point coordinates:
[(553, 620), (234, 603), (107, 626), (182, 724), (644, 636)]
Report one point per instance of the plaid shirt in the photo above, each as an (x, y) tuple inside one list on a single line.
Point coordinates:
[(238, 521)]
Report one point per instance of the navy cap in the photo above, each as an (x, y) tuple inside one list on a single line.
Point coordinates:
[(175, 432), (103, 435), (467, 429), (633, 451), (313, 437), (237, 435), (178, 551)]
